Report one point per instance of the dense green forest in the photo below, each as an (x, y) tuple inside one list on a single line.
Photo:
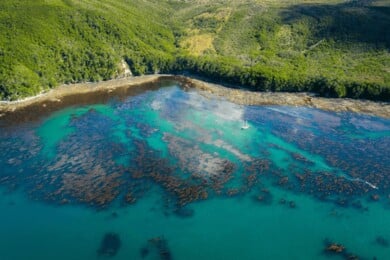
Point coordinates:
[(334, 48)]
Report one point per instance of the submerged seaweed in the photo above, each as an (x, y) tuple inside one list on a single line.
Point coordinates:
[(193, 149), (110, 245), (158, 247), (165, 152), (332, 248)]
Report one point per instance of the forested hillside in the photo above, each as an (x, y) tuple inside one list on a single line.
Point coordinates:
[(334, 48), (46, 43)]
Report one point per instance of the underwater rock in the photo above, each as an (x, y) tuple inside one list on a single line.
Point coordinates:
[(144, 251), (110, 245), (129, 198), (283, 180), (184, 212), (251, 179), (96, 188), (358, 205), (265, 197), (375, 197), (336, 248), (64, 201), (301, 158), (292, 204), (352, 257), (342, 202), (114, 215), (339, 249), (232, 192), (192, 159), (332, 247), (379, 240), (160, 246)]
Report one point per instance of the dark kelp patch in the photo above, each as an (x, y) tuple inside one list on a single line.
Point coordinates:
[(157, 247), (110, 245)]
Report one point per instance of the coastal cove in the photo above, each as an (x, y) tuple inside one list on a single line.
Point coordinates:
[(195, 130), (67, 95), (337, 48), (168, 167)]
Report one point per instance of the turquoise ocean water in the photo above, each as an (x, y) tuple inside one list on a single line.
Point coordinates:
[(174, 176)]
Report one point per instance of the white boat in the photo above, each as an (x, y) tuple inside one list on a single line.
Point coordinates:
[(245, 125)]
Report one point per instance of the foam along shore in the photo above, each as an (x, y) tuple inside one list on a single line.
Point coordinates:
[(79, 93)]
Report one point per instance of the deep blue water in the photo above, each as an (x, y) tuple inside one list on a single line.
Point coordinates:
[(170, 174)]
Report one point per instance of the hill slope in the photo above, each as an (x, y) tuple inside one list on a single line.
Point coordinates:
[(335, 48), (46, 43)]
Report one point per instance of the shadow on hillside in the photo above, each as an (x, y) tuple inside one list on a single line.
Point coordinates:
[(351, 22)]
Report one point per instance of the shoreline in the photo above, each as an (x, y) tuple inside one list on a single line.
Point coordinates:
[(65, 95), (247, 97), (55, 94)]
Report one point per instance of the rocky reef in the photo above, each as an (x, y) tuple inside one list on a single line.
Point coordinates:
[(332, 248), (157, 248), (246, 97), (110, 245), (95, 166)]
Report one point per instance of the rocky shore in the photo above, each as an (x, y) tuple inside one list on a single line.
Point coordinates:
[(55, 95), (13, 112), (246, 97), (88, 93)]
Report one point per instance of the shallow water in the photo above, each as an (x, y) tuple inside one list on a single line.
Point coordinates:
[(175, 177)]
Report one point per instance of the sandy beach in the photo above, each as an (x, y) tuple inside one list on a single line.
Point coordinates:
[(81, 93)]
